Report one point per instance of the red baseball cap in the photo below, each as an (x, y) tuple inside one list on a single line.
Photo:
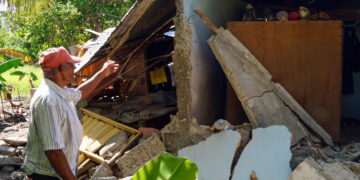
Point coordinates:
[(54, 57)]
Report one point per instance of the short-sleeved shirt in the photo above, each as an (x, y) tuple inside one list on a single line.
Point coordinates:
[(54, 125)]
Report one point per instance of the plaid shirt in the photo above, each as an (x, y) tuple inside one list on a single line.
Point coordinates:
[(54, 124)]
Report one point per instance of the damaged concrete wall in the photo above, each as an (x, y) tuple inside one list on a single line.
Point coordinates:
[(200, 70)]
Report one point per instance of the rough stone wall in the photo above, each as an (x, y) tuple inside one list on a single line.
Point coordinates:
[(181, 60)]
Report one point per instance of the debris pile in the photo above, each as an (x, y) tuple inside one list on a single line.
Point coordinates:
[(13, 139)]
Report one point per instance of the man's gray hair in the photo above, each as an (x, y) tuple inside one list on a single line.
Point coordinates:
[(51, 74)]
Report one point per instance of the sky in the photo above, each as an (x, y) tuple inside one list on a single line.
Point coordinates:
[(3, 6)]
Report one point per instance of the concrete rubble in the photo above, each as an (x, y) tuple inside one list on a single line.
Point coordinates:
[(137, 157), (268, 154), (216, 151), (102, 171), (180, 133), (310, 169), (199, 142)]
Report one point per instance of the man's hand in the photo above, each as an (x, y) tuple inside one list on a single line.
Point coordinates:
[(109, 67), (87, 87)]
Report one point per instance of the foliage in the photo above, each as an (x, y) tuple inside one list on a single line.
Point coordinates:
[(5, 66), (167, 167), (57, 22), (13, 63), (17, 54), (32, 76), (23, 85)]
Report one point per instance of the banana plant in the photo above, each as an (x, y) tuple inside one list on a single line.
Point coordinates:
[(5, 66), (167, 167), (22, 74)]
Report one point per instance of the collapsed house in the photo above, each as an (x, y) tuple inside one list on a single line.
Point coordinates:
[(170, 79)]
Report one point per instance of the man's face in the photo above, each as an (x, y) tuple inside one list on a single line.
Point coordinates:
[(67, 72)]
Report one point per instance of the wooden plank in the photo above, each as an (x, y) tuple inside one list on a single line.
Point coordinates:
[(109, 121), (101, 141), (90, 126), (89, 137), (93, 156), (86, 121), (305, 58)]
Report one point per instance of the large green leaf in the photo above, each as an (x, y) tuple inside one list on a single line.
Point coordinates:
[(2, 85), (2, 79), (18, 73), (9, 64), (33, 76), (21, 74), (167, 167)]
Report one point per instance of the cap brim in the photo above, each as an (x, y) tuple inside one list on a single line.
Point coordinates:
[(74, 59)]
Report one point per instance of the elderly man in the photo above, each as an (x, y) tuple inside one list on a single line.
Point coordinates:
[(55, 131)]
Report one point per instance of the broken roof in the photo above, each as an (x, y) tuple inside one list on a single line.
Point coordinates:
[(141, 20)]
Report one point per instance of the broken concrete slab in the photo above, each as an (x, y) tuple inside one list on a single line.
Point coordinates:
[(336, 171), (7, 150), (16, 141), (310, 169), (18, 175), (103, 170), (180, 133), (214, 155), (267, 154), (106, 178), (137, 157), (10, 161), (264, 102), (354, 167), (3, 143), (114, 143)]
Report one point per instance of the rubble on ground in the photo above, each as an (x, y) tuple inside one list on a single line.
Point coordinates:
[(133, 160), (182, 136), (311, 169), (180, 133)]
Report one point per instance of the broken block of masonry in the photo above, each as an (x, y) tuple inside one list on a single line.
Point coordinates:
[(102, 171), (137, 157), (310, 169), (180, 133)]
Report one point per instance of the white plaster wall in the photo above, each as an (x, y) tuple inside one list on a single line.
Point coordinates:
[(208, 80)]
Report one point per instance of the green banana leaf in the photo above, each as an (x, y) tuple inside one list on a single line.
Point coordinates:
[(2, 79), (167, 167), (21, 74), (9, 64), (33, 76), (2, 85)]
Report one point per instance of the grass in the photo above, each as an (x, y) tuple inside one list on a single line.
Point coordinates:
[(23, 86)]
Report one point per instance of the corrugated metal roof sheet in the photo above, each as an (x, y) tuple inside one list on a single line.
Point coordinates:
[(159, 12)]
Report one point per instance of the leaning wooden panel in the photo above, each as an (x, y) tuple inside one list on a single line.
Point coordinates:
[(305, 58), (90, 126), (100, 130)]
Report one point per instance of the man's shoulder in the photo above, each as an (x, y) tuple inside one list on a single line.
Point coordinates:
[(43, 96)]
